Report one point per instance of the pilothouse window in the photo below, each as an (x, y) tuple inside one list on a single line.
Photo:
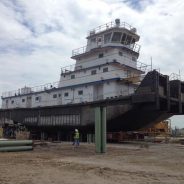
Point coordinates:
[(116, 37), (123, 38), (107, 37), (128, 40)]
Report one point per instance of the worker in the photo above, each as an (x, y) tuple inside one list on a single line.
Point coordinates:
[(76, 138)]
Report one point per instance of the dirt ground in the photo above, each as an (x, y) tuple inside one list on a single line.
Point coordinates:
[(60, 163)]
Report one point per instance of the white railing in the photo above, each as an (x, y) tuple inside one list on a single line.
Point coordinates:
[(67, 69), (135, 47), (79, 51), (30, 90), (143, 67), (174, 76), (110, 25)]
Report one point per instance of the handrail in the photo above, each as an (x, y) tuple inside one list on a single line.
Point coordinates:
[(68, 69), (78, 51), (29, 90), (110, 25), (81, 50), (174, 76)]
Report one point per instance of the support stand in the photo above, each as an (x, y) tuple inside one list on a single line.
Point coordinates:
[(100, 129)]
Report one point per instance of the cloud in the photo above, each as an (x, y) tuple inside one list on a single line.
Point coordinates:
[(37, 37)]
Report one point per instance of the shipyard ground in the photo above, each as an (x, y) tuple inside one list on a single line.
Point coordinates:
[(57, 163)]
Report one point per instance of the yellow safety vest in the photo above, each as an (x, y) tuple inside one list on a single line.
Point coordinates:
[(76, 135)]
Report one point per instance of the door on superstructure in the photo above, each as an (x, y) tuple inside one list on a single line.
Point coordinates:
[(29, 102), (98, 92)]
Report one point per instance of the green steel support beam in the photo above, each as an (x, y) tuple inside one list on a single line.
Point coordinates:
[(100, 129), (103, 130)]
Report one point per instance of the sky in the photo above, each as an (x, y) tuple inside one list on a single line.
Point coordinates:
[(37, 36)]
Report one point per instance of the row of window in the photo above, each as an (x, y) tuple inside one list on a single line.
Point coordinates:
[(121, 54), (80, 92), (93, 72), (116, 37), (12, 102), (38, 98)]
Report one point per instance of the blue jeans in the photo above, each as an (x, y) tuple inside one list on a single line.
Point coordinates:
[(76, 142)]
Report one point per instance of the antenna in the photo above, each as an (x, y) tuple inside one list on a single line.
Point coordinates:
[(151, 62)]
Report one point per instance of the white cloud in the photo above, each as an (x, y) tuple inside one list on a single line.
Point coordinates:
[(37, 36)]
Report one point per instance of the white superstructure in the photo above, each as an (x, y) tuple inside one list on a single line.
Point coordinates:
[(107, 67)]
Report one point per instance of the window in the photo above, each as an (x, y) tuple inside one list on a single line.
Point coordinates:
[(38, 98), (99, 39), (128, 40), (116, 37), (105, 69), (66, 94), (100, 55), (23, 100), (12, 102), (123, 38), (93, 39), (6, 101), (120, 53), (133, 59), (93, 72), (133, 40), (54, 95), (107, 37), (80, 92), (72, 76), (59, 95)]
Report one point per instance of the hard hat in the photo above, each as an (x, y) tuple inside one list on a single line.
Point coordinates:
[(76, 130)]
